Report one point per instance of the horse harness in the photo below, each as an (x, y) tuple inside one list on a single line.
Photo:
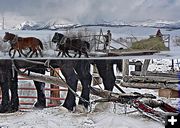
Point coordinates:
[(62, 41), (14, 40)]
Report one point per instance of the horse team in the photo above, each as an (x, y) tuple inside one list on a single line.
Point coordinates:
[(35, 46)]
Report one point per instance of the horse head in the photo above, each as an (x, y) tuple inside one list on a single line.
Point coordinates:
[(8, 37), (57, 37)]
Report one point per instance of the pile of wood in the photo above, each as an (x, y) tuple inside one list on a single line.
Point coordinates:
[(166, 83)]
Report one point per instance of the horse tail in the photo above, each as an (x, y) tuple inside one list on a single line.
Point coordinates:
[(41, 45)]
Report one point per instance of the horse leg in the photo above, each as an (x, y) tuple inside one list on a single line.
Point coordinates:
[(84, 50), (41, 99), (64, 53), (83, 70), (40, 52), (71, 79), (119, 65), (25, 55), (79, 54), (59, 53), (30, 50), (14, 53), (75, 53), (19, 51), (13, 81), (4, 74), (105, 69), (67, 52), (32, 53), (86, 54), (10, 51), (5, 97), (40, 87), (36, 54)]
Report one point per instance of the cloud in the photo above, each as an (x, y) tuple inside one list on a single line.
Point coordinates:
[(89, 11)]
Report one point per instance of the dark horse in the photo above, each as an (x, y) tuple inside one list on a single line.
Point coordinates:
[(74, 70), (65, 44), (82, 68), (9, 80), (19, 44), (67, 68)]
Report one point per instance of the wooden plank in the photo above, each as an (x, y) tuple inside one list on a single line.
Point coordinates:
[(54, 93), (148, 85), (168, 93), (125, 71), (150, 79), (148, 73), (113, 95), (131, 53)]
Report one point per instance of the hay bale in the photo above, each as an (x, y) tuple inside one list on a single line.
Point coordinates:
[(153, 43)]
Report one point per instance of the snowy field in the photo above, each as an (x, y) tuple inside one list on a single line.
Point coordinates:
[(117, 32), (107, 115)]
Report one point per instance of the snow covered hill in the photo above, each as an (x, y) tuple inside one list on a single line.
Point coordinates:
[(31, 25)]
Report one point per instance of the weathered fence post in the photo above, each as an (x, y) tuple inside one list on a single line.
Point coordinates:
[(54, 93), (145, 67), (125, 71)]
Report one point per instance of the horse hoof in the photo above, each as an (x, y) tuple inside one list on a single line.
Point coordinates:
[(11, 110), (3, 109), (38, 105)]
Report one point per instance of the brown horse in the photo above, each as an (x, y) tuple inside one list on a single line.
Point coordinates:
[(19, 44)]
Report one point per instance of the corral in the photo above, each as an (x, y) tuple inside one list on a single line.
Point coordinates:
[(166, 83)]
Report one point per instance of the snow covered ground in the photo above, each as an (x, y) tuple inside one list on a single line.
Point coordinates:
[(107, 115), (59, 117)]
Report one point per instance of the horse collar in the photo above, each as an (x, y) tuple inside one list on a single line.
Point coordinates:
[(63, 40), (15, 39)]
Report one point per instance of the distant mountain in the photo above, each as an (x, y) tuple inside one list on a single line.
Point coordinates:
[(31, 25), (159, 24)]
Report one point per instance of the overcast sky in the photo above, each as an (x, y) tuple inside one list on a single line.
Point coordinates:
[(88, 11)]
